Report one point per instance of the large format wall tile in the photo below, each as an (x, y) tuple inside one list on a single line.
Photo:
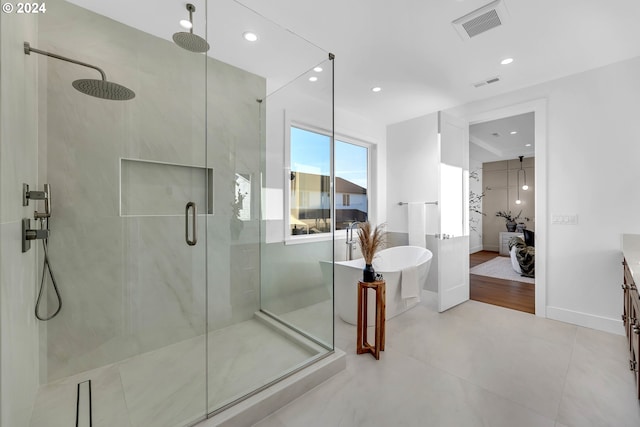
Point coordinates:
[(19, 334), (18, 328), (131, 284)]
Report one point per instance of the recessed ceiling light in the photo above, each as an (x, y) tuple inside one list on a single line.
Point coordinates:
[(186, 24), (318, 69), (506, 61), (527, 145), (313, 79), (249, 36), (513, 132), (376, 89)]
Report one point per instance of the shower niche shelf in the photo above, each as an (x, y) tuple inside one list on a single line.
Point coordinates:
[(152, 188)]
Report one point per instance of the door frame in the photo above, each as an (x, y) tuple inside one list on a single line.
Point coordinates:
[(539, 108)]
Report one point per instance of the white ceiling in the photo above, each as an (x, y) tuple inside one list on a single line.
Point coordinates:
[(492, 141), (408, 47), (411, 50)]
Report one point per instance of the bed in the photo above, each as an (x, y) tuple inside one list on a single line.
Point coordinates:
[(523, 257)]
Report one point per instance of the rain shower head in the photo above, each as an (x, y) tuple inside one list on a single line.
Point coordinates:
[(190, 41), (103, 89)]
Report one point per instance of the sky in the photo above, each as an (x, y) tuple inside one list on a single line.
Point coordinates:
[(310, 153)]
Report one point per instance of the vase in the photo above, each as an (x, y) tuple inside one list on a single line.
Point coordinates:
[(368, 273), (511, 226)]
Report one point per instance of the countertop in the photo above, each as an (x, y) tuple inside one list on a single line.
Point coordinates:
[(631, 252)]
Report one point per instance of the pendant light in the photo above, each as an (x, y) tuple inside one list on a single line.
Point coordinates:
[(524, 173), (525, 186)]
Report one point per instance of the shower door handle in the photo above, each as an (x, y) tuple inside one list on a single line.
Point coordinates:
[(194, 215)]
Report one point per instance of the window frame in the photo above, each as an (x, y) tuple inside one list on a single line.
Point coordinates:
[(289, 238)]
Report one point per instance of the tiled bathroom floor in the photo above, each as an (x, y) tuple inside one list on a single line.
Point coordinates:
[(165, 387), (475, 365)]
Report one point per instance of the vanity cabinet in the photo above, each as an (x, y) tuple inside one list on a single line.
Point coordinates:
[(631, 320)]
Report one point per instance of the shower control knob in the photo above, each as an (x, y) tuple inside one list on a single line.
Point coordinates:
[(36, 234), (29, 234)]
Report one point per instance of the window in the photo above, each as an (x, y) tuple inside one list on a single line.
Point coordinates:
[(351, 166), (310, 183)]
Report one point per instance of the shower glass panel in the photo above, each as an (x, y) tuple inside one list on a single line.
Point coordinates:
[(248, 346), (297, 269), (122, 173), (181, 292)]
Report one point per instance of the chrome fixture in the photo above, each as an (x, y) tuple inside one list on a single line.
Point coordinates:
[(426, 203), (38, 195), (194, 226), (99, 88), (351, 244), (190, 41), (29, 234)]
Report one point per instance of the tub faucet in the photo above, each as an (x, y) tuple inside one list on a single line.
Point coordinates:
[(351, 244)]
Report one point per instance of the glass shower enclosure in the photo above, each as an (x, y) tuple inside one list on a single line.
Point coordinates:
[(180, 293)]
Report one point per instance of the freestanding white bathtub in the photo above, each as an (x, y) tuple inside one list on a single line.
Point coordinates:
[(390, 263)]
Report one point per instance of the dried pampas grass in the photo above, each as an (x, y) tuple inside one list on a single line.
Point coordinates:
[(370, 242)]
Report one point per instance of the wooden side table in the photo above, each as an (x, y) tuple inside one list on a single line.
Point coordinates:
[(362, 345)]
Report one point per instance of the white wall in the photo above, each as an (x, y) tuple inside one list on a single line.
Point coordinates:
[(412, 170), (593, 167)]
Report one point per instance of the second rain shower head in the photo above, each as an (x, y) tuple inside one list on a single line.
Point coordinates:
[(103, 89), (190, 41)]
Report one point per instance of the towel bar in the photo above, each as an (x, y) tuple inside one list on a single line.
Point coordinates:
[(426, 203)]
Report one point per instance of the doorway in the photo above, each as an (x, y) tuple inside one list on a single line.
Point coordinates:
[(503, 187)]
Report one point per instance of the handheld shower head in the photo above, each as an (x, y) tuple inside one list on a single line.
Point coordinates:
[(190, 41), (103, 89)]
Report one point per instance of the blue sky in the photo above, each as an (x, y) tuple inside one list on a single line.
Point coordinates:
[(310, 153)]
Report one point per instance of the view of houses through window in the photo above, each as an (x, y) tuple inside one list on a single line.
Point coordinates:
[(310, 197)]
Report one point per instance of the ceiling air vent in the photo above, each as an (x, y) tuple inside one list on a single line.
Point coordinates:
[(481, 20), (487, 81)]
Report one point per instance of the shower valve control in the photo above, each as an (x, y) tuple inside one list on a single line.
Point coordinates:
[(29, 234), (38, 195), (31, 195)]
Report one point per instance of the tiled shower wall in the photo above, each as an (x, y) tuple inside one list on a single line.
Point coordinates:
[(18, 164), (130, 283)]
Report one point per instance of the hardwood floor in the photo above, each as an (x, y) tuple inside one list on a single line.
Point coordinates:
[(505, 293)]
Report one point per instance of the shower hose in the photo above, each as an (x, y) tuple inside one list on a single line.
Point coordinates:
[(46, 266)]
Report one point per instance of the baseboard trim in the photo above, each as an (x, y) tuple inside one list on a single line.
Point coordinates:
[(591, 321), (491, 248), (475, 249)]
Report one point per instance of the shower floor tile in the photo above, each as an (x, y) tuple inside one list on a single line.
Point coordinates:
[(167, 387), (315, 320)]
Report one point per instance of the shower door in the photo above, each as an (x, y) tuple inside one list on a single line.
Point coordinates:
[(131, 192), (157, 228), (263, 321)]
